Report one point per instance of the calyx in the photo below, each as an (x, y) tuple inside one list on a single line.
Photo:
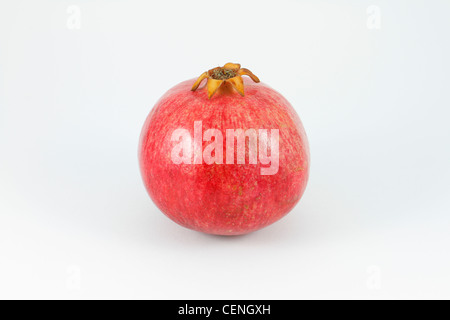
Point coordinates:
[(230, 73)]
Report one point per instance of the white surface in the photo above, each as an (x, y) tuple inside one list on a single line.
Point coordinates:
[(75, 220)]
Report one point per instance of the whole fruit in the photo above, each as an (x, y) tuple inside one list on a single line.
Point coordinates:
[(227, 158)]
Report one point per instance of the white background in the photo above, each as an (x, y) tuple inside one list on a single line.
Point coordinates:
[(369, 79)]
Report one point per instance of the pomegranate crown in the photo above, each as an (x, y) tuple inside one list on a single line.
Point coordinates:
[(230, 73)]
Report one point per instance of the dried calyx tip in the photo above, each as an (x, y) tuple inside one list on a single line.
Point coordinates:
[(231, 73), (222, 73)]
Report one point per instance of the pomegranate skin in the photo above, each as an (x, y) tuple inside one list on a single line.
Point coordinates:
[(223, 199)]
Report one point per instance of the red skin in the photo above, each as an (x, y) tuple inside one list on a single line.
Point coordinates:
[(223, 199)]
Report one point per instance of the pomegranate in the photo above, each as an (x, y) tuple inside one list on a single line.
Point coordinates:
[(228, 157)]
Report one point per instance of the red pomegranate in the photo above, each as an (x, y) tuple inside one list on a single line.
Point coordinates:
[(221, 158)]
